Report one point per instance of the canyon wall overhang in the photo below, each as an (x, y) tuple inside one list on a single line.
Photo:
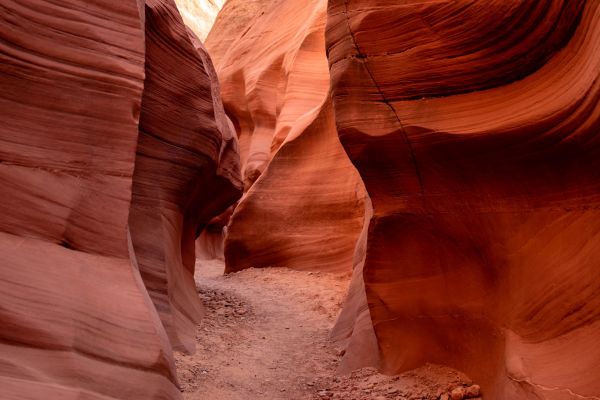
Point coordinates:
[(475, 128)]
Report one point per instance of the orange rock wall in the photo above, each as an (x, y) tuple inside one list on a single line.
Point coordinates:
[(474, 126), (303, 203)]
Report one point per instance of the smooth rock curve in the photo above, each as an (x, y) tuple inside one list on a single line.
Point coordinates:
[(187, 167), (303, 203), (474, 126), (76, 321)]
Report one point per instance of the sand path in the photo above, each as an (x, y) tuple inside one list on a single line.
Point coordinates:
[(266, 336)]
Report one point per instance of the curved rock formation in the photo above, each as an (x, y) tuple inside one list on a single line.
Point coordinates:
[(308, 205), (474, 126), (305, 211), (199, 15), (186, 168), (76, 318), (76, 321)]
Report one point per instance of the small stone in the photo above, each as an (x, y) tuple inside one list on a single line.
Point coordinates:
[(445, 396), (472, 391), (380, 398), (458, 393), (392, 391)]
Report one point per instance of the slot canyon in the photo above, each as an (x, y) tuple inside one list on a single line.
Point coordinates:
[(285, 199)]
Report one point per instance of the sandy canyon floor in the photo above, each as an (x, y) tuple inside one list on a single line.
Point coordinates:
[(266, 336)]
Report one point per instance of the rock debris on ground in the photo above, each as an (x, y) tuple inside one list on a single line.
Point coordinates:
[(265, 335)]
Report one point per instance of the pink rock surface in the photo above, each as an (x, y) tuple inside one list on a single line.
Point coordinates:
[(75, 321), (85, 180), (474, 126), (303, 207)]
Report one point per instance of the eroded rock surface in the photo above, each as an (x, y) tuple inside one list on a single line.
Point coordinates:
[(76, 321), (187, 167), (85, 179), (475, 129), (303, 207)]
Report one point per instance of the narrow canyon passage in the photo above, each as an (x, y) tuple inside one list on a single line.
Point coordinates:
[(266, 336), (288, 200)]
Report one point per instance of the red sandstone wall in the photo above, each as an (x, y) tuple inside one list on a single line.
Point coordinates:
[(187, 167), (474, 126), (76, 320)]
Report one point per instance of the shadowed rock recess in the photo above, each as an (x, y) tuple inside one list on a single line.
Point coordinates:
[(441, 159)]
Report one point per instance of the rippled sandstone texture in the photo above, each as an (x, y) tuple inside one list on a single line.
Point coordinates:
[(303, 203), (186, 171), (76, 319), (475, 127)]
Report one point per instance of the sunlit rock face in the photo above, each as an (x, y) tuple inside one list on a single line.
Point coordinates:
[(199, 15), (187, 167), (475, 128), (303, 203), (112, 139), (76, 320)]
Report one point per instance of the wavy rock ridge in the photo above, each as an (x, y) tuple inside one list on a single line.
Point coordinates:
[(77, 320), (186, 171), (474, 126), (299, 183)]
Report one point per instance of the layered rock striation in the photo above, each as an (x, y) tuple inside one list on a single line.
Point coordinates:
[(474, 126), (75, 158), (186, 171), (303, 203), (77, 321)]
